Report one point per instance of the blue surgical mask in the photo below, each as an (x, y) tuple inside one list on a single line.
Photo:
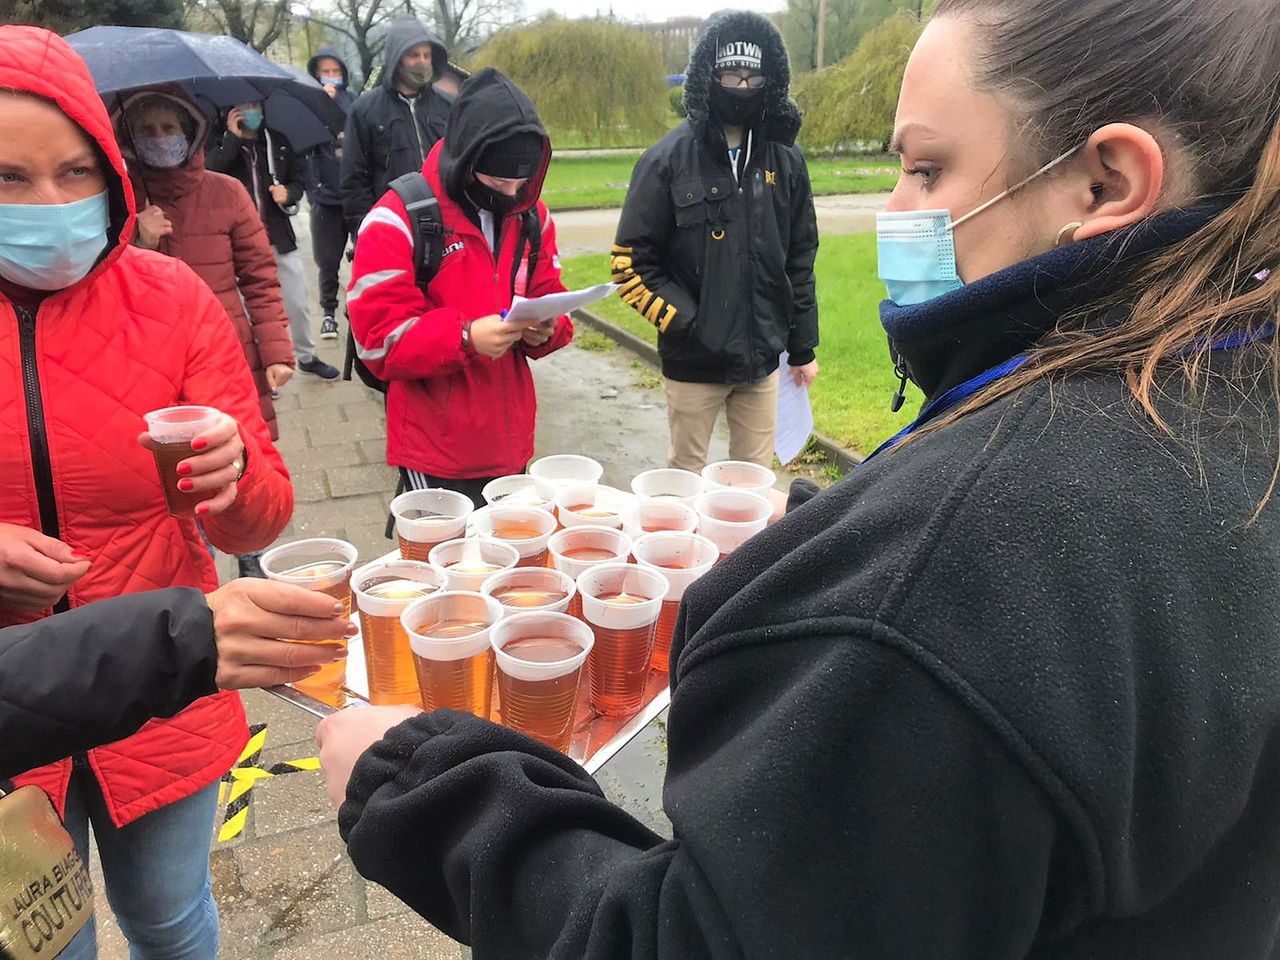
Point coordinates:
[(252, 118), (917, 251), (51, 246), (163, 153), (333, 82)]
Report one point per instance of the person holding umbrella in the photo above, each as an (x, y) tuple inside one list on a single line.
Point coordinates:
[(329, 231), (273, 175)]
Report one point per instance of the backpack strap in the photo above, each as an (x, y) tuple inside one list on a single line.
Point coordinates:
[(425, 223)]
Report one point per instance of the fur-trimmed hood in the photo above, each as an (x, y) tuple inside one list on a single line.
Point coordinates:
[(781, 119)]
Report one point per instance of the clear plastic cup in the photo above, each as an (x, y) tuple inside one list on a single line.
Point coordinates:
[(540, 656), (591, 505), (325, 565), (551, 473), (621, 603), (383, 590), (651, 516), (449, 636), (425, 518), (526, 528), (516, 489), (576, 550), (531, 588), (729, 518), (668, 483), (682, 558), (469, 562), (171, 431), (739, 475)]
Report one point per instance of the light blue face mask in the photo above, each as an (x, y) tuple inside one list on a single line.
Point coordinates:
[(51, 246), (916, 248), (333, 82), (252, 118)]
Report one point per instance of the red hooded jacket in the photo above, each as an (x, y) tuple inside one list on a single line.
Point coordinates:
[(141, 331), (453, 414)]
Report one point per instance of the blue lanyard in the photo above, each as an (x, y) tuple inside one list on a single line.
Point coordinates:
[(963, 391)]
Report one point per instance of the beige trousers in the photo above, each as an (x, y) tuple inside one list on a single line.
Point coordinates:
[(692, 409)]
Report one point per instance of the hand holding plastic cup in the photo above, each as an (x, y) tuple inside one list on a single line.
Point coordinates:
[(668, 483), (531, 588), (449, 636), (591, 505), (526, 528), (540, 657), (171, 431), (651, 516), (621, 603), (551, 473), (383, 590), (729, 518), (425, 518), (468, 563), (739, 475), (682, 558)]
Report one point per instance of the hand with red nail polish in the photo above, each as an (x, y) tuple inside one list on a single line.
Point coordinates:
[(214, 468), (35, 570)]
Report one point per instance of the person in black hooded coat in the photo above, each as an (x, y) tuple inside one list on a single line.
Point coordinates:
[(717, 240)]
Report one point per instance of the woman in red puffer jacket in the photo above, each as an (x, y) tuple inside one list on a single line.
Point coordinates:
[(93, 334)]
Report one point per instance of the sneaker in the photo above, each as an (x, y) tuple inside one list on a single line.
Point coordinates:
[(321, 369), (329, 329), (250, 567)]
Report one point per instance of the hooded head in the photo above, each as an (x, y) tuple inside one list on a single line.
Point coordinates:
[(162, 135), (48, 80), (736, 42), (319, 64), (494, 130), (402, 37)]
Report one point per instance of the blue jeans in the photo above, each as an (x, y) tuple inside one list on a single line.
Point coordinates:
[(156, 871)]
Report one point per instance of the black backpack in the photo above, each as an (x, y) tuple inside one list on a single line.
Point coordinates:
[(427, 227)]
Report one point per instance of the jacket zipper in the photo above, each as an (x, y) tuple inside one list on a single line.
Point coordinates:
[(417, 134), (41, 463)]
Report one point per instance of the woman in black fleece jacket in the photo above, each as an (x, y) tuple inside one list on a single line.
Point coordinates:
[(1011, 689)]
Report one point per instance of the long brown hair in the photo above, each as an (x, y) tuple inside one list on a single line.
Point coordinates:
[(1202, 77)]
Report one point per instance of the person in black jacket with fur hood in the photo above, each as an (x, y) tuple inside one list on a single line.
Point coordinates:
[(717, 240)]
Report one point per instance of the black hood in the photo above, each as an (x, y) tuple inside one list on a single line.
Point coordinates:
[(489, 108), (402, 35), (333, 55), (781, 117)]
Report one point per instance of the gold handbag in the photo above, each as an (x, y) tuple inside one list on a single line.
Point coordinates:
[(46, 897)]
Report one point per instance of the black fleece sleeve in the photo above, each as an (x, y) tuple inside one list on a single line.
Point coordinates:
[(355, 172), (803, 340), (829, 797), (294, 178), (640, 249), (220, 156), (96, 674)]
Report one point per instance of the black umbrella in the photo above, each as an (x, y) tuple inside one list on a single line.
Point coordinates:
[(218, 70)]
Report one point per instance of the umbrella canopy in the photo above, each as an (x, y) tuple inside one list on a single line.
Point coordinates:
[(217, 70)]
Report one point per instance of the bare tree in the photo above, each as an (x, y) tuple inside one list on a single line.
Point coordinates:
[(465, 21), (363, 22), (257, 23)]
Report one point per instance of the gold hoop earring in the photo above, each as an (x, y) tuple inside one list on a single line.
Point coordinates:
[(1072, 227)]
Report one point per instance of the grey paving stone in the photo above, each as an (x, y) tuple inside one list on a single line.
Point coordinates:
[(291, 801), (362, 410), (291, 860), (370, 539), (293, 421), (334, 513), (381, 903), (309, 486), (323, 394), (288, 400), (326, 434), (355, 481), (375, 450), (287, 725), (342, 454), (404, 937), (295, 439)]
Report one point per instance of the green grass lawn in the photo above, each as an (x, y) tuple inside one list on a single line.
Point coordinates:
[(852, 394), (602, 181)]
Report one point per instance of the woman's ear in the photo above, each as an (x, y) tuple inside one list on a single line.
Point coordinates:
[(1127, 167)]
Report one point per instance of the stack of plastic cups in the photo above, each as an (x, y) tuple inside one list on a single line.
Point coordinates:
[(621, 603), (540, 657), (682, 558), (383, 591), (526, 528), (425, 518), (468, 563), (531, 588), (576, 550), (739, 475), (729, 518), (591, 505), (668, 483), (449, 636)]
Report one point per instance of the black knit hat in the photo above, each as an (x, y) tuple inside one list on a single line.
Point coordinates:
[(516, 157)]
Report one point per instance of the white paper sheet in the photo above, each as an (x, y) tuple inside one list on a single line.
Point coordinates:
[(795, 415), (542, 309)]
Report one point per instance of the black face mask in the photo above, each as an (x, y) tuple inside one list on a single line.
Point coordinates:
[(496, 202), (737, 108)]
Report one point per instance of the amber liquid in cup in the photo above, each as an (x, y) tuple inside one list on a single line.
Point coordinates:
[(593, 554), (392, 675), (513, 530), (418, 549), (168, 456), (543, 709), (527, 596), (465, 684), (620, 662), (666, 626), (327, 683), (472, 567)]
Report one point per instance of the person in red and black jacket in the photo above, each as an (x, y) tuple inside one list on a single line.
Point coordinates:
[(461, 405)]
